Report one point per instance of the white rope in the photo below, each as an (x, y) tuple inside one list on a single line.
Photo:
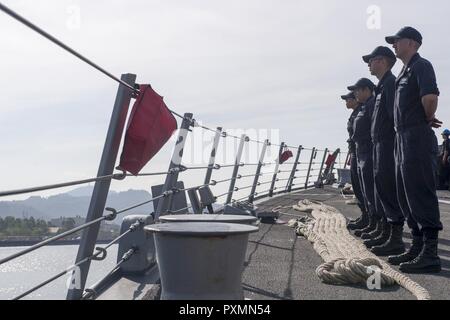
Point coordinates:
[(347, 260)]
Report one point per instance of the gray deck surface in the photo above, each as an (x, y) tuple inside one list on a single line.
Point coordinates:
[(281, 265)]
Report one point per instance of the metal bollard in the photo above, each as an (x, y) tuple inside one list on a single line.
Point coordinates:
[(223, 218), (201, 261)]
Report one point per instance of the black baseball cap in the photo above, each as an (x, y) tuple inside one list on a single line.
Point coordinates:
[(349, 95), (380, 51), (406, 32), (362, 83)]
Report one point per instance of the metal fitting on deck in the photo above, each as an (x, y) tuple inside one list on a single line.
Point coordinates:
[(143, 255)]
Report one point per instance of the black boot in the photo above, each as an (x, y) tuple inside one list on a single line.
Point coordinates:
[(382, 238), (354, 221), (362, 223), (428, 260), (375, 233), (411, 254), (369, 228), (394, 245)]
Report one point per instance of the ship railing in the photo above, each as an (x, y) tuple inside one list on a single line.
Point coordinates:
[(311, 169), (100, 253)]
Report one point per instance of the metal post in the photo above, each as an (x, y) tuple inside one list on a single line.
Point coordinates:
[(195, 202), (313, 153), (320, 179), (294, 170), (338, 151), (277, 167), (258, 171), (101, 188), (212, 158), (347, 159), (164, 204), (237, 164)]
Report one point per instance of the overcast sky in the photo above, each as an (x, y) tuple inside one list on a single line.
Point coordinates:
[(276, 67)]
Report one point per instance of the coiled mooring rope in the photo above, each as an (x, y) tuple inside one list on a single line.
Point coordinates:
[(347, 260)]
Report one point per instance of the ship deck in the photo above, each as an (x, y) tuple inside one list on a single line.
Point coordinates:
[(281, 266)]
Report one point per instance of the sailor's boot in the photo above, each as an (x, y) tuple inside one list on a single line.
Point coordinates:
[(369, 228), (375, 233), (354, 221), (411, 254), (382, 238), (360, 223), (428, 260), (394, 245)]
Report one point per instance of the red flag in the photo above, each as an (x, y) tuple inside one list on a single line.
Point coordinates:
[(331, 159), (285, 156), (150, 126)]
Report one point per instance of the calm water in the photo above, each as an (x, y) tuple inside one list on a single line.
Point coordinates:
[(28, 271)]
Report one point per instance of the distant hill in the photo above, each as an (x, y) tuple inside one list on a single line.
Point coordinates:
[(73, 203), (83, 191)]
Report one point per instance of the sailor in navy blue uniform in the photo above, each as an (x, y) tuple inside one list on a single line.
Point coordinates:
[(355, 106), (415, 106), (363, 91), (386, 239), (443, 163)]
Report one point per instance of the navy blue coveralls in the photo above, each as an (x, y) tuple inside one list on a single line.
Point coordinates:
[(383, 138), (416, 147), (356, 185), (364, 150)]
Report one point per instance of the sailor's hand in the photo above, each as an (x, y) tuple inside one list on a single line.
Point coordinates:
[(435, 123)]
